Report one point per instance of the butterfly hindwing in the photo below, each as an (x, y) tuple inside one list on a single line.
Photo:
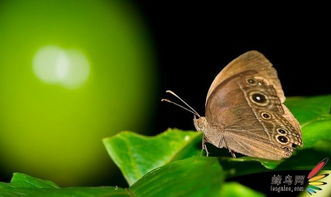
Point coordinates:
[(245, 110)]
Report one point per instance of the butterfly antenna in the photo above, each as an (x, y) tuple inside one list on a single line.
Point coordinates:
[(178, 105), (187, 108)]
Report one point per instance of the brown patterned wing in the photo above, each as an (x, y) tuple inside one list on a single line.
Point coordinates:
[(251, 60), (250, 116)]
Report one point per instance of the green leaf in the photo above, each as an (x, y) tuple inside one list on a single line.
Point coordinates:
[(63, 192), (21, 180), (136, 155), (314, 115), (26, 186), (233, 189), (194, 177)]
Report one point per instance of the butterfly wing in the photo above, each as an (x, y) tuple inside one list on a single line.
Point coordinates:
[(247, 110), (251, 60)]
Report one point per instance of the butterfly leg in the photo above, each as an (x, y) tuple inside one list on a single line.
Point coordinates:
[(232, 153), (226, 146), (204, 146)]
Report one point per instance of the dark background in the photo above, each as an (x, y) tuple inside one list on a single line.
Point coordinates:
[(194, 41)]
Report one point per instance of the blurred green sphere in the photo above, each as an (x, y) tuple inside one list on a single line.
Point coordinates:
[(71, 73)]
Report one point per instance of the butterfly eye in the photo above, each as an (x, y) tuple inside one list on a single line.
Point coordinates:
[(281, 131), (259, 98), (265, 115), (282, 139)]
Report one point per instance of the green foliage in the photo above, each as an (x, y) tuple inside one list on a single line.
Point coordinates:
[(172, 163), (136, 155), (232, 189), (199, 176), (314, 115), (26, 186)]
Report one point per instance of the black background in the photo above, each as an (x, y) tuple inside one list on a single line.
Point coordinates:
[(194, 41)]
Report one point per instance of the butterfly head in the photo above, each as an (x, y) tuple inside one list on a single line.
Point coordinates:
[(200, 123)]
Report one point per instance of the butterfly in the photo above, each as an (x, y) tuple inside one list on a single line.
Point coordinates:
[(245, 111)]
